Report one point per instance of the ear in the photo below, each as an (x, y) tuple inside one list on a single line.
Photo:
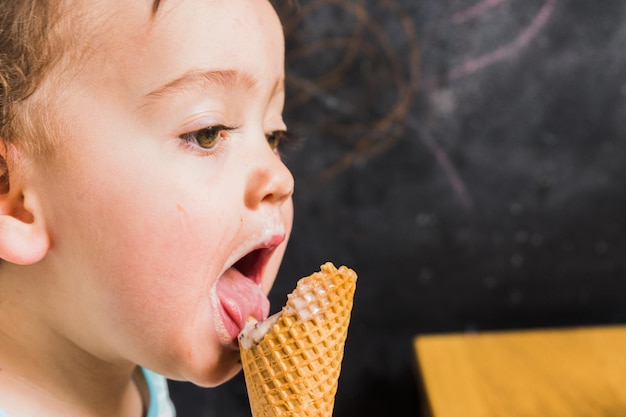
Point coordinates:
[(24, 239)]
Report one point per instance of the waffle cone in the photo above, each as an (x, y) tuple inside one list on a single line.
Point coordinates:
[(294, 369)]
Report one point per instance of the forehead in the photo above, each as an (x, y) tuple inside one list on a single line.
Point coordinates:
[(159, 40)]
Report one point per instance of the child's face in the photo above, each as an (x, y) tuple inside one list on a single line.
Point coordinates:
[(148, 222)]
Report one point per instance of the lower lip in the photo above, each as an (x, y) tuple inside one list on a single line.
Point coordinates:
[(231, 327)]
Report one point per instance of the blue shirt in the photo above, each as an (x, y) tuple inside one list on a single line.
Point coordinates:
[(160, 403)]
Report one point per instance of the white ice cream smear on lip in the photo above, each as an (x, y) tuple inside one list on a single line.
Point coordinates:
[(307, 302)]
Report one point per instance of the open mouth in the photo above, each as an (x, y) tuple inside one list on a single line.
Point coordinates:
[(251, 266), (240, 294), (239, 291)]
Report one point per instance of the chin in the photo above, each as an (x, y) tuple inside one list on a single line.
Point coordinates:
[(215, 373)]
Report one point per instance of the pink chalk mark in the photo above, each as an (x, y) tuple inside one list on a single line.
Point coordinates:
[(475, 11), (456, 182), (506, 51)]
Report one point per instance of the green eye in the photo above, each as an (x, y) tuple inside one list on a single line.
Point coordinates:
[(273, 139), (206, 138), (281, 140)]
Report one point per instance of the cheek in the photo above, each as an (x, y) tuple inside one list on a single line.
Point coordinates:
[(157, 281), (146, 241), (162, 249)]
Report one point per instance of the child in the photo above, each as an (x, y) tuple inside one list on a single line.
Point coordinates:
[(145, 208)]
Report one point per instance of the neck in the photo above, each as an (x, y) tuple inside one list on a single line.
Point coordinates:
[(44, 373)]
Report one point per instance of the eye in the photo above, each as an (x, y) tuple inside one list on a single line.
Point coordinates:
[(206, 138), (282, 140)]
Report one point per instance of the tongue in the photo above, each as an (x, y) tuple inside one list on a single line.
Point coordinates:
[(242, 298)]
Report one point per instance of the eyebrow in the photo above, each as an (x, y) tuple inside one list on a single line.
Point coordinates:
[(228, 79)]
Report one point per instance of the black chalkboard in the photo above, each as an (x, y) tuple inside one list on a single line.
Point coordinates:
[(468, 160)]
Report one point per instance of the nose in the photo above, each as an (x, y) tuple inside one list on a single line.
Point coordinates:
[(270, 181)]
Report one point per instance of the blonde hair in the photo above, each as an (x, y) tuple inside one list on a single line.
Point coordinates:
[(33, 40), (26, 53)]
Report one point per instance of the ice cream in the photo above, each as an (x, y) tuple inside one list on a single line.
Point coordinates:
[(292, 360)]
